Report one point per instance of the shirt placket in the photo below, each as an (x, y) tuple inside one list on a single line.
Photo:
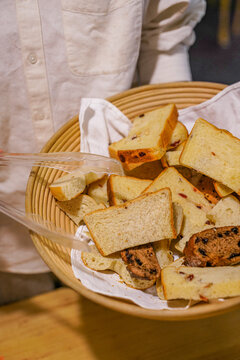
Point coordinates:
[(29, 23)]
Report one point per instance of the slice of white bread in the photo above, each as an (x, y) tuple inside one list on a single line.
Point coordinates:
[(123, 188), (194, 283), (192, 201), (163, 253), (226, 212), (162, 248), (147, 139), (140, 221), (159, 286), (78, 207), (70, 185), (222, 190), (95, 261), (149, 170), (98, 191), (172, 157), (180, 245), (213, 152), (179, 135)]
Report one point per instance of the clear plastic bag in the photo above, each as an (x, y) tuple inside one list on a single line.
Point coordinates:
[(14, 172)]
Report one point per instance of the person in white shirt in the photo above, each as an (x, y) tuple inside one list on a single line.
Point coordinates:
[(52, 54)]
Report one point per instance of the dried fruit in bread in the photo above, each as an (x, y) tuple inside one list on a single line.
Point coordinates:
[(193, 202), (141, 262), (148, 138), (194, 283), (96, 261), (214, 247)]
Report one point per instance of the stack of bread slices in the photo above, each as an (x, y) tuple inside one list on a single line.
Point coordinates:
[(178, 199)]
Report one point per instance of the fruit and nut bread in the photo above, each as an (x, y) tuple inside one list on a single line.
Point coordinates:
[(179, 198)]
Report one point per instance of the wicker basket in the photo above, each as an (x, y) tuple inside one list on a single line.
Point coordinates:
[(39, 200)]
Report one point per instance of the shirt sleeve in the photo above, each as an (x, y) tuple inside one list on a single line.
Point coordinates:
[(167, 35)]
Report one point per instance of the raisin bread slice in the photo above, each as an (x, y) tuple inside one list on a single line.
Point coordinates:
[(214, 247), (141, 262), (213, 152), (193, 202), (140, 221), (148, 138), (145, 261), (95, 261), (194, 283), (179, 135)]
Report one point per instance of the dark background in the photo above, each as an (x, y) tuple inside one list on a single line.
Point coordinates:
[(213, 58)]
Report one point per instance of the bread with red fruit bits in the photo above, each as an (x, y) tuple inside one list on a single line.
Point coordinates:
[(141, 262), (213, 152), (148, 138), (214, 247)]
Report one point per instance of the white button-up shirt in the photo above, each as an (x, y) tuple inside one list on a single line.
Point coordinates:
[(53, 53)]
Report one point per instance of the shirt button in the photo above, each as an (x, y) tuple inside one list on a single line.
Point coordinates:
[(32, 58)]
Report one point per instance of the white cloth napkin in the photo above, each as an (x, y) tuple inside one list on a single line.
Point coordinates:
[(101, 123)]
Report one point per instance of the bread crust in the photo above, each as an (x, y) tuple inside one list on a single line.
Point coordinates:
[(131, 159), (202, 169)]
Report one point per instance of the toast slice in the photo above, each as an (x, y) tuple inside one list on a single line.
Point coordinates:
[(213, 152), (148, 138), (96, 261), (162, 248), (193, 202), (123, 188), (78, 207), (172, 157), (140, 221), (226, 212), (98, 191), (179, 135), (70, 185), (192, 283), (218, 246), (142, 262)]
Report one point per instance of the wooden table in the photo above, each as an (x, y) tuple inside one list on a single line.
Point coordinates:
[(64, 325)]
